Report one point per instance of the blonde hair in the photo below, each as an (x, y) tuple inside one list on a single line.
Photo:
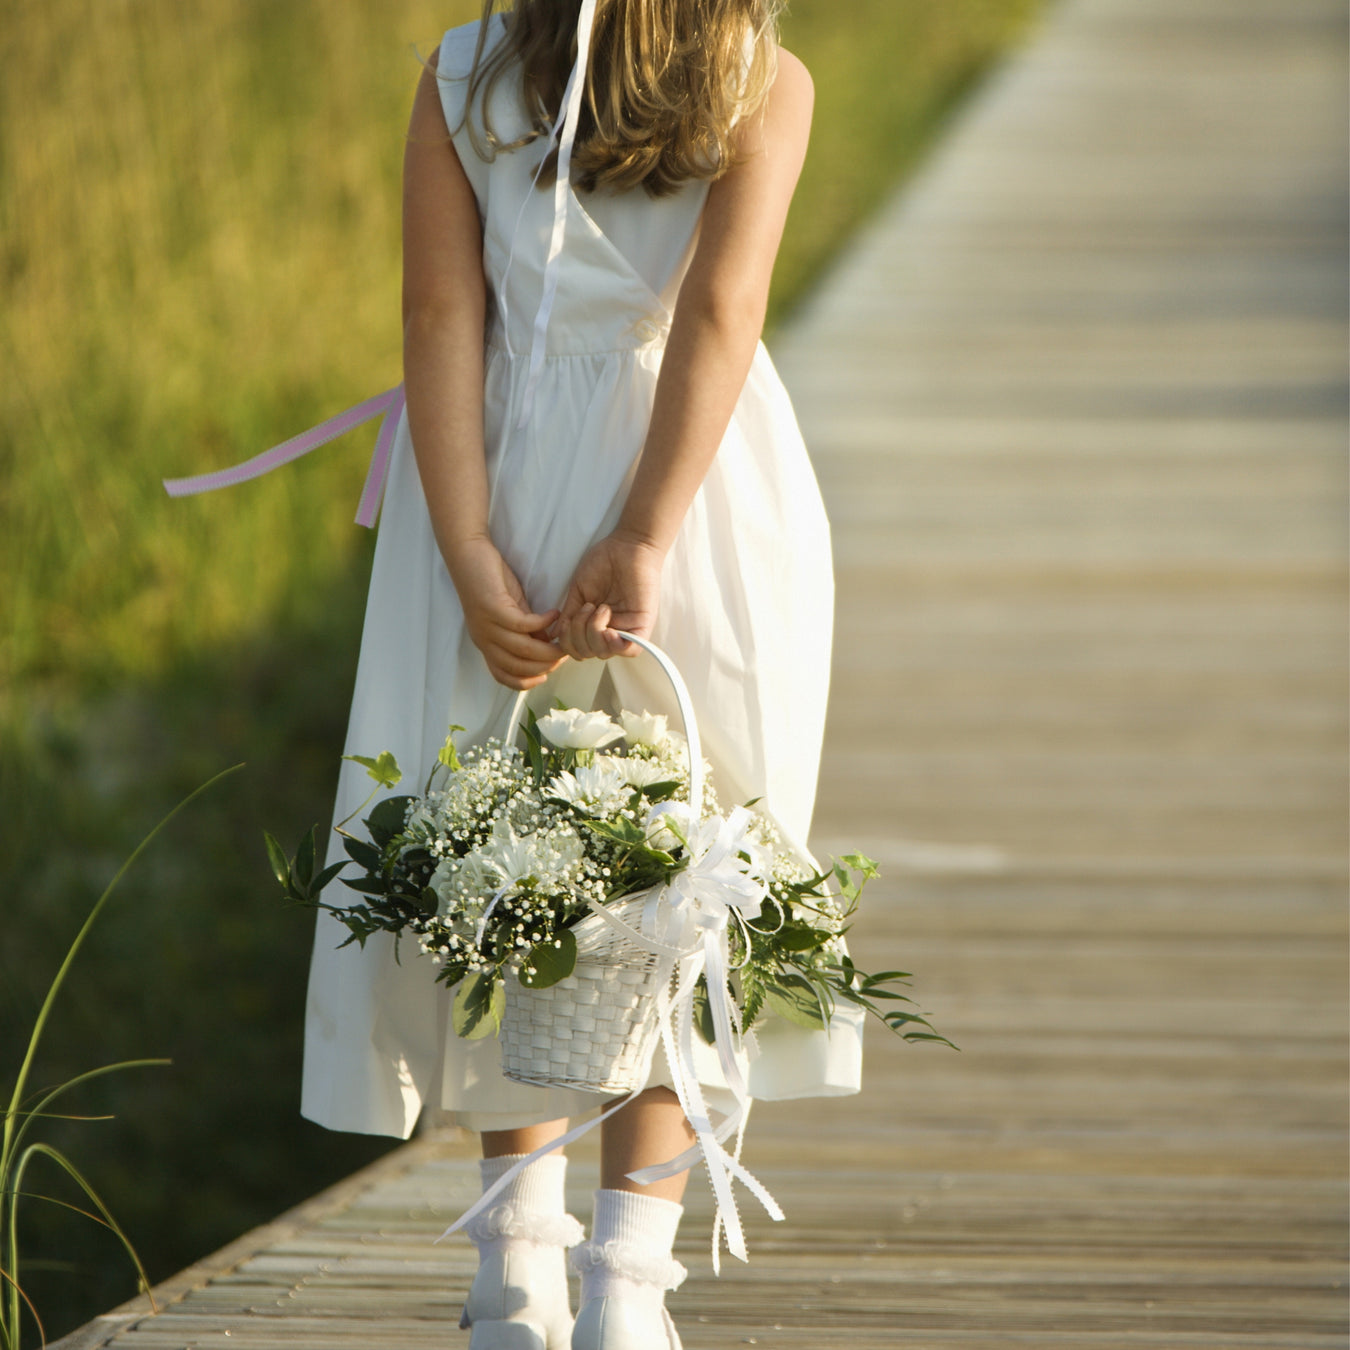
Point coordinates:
[(666, 82)]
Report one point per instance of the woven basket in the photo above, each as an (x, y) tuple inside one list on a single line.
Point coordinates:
[(596, 1029)]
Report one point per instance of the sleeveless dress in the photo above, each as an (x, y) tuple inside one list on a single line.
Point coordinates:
[(745, 612)]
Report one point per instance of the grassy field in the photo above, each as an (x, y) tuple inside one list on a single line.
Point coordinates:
[(199, 246)]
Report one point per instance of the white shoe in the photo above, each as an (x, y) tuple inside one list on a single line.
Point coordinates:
[(617, 1323), (626, 1269), (518, 1300)]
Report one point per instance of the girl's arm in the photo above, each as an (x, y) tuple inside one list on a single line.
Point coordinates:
[(444, 299), (718, 320)]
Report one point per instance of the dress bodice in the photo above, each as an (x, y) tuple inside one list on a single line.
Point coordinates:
[(626, 253)]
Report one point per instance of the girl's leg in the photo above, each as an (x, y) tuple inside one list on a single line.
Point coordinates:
[(627, 1266), (519, 1296), (651, 1129), (498, 1143)]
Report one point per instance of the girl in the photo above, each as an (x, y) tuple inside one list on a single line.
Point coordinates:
[(594, 443)]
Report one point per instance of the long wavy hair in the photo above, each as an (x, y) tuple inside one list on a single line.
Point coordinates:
[(666, 82)]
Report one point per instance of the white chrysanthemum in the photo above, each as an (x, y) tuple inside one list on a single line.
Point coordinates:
[(597, 789), (644, 772), (541, 860), (644, 728), (572, 729)]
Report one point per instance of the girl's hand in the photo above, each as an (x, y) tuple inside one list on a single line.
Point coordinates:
[(498, 617), (616, 586)]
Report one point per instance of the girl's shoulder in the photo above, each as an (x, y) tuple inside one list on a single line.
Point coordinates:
[(458, 46)]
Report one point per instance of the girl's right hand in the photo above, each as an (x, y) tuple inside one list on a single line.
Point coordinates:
[(499, 618)]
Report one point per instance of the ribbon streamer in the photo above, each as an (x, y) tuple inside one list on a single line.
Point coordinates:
[(389, 405), (569, 112)]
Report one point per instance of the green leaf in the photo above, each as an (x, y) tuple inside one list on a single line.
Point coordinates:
[(551, 961), (534, 749), (384, 770), (703, 1018), (387, 820), (752, 995), (861, 863), (448, 754), (800, 938), (929, 1036), (302, 869), (622, 831), (364, 854), (326, 876), (477, 1009), (793, 997), (281, 865)]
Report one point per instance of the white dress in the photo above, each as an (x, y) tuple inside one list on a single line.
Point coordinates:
[(745, 612)]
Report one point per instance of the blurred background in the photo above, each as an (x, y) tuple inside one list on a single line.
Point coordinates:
[(199, 243)]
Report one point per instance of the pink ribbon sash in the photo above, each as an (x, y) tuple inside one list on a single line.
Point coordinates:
[(389, 405)]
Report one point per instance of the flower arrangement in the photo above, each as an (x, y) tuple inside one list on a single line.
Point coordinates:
[(508, 848)]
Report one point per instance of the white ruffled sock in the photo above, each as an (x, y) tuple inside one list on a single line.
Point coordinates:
[(628, 1256), (522, 1274), (531, 1207)]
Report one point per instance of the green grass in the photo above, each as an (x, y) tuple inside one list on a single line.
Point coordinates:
[(199, 250)]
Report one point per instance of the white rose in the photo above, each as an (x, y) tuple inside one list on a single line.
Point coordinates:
[(645, 728), (572, 729), (667, 826)]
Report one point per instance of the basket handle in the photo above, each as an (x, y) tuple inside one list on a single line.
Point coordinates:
[(683, 702)]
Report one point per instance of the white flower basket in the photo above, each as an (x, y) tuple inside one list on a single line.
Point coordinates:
[(597, 1028)]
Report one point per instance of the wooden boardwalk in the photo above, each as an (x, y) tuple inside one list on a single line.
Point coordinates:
[(1078, 405)]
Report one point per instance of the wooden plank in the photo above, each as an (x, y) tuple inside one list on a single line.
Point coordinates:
[(1077, 404)]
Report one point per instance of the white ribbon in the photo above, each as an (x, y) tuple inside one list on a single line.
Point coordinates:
[(569, 114), (700, 902)]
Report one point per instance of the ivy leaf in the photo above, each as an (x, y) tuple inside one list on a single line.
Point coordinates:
[(477, 1009), (384, 770), (448, 754), (861, 863), (551, 961)]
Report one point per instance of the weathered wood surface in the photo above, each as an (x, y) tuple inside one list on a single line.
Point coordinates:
[(1078, 405)]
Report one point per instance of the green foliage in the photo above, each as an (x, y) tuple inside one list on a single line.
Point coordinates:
[(477, 1008), (213, 1145), (549, 962), (23, 1111), (793, 963)]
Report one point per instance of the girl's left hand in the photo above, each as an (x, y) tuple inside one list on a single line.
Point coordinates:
[(616, 587)]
